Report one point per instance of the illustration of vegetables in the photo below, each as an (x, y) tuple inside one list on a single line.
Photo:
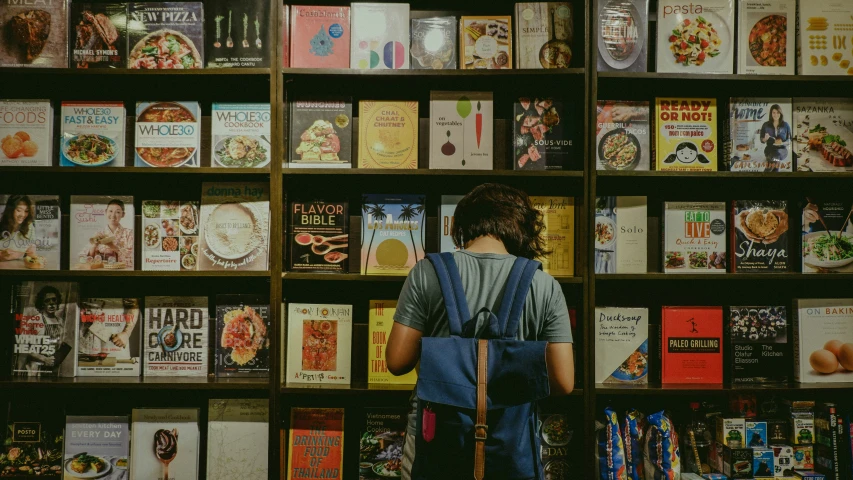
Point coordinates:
[(228, 42), (479, 122), (218, 21), (258, 33), (245, 30), (463, 108)]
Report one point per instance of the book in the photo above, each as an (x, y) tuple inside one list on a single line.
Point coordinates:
[(92, 134), (400, 221), (242, 336), (285, 36), (383, 435), (96, 446), (560, 438), (558, 214), (461, 126), (35, 34), (696, 38), (315, 426), (164, 443), (543, 134), (622, 135), (156, 29), (686, 134), (623, 35), (319, 236), (30, 232), (829, 443), (234, 226), (823, 328), (759, 344), (319, 37), (433, 44), (170, 235), (388, 134), (97, 36), (696, 230), (102, 233), (240, 134), (44, 317), (248, 47), (544, 34), (108, 337), (821, 45), (823, 134), (621, 232), (766, 37), (319, 343), (238, 438), (26, 133), (380, 321), (827, 236), (692, 345), (168, 134), (323, 127), (445, 225), (380, 36), (175, 336), (485, 42), (760, 139), (32, 427), (759, 236), (621, 345)]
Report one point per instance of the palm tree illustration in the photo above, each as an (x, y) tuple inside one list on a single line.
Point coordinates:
[(407, 215), (365, 209), (419, 209), (378, 214)]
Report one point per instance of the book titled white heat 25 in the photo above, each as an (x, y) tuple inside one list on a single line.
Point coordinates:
[(26, 133), (176, 336), (319, 343), (240, 135), (694, 237), (766, 33), (461, 125), (696, 37), (164, 444), (238, 439)]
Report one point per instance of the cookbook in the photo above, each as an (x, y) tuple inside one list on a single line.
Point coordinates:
[(623, 35), (697, 37), (760, 137), (92, 134), (823, 331), (692, 341), (321, 132), (34, 34), (32, 439), (543, 134), (383, 434), (242, 336), (26, 133), (434, 43), (558, 214), (823, 134), (44, 316), (445, 219), (319, 343), (30, 232), (485, 42), (760, 236), (621, 234), (108, 337), (98, 35), (313, 426), (166, 35), (694, 237), (319, 37), (388, 134), (175, 336), (239, 135), (319, 234), (238, 438), (168, 134), (380, 36), (234, 226), (766, 37), (96, 447), (170, 235), (759, 344), (248, 45), (544, 35), (622, 135), (621, 345), (461, 128), (827, 236), (102, 233), (164, 443), (686, 134), (380, 320), (823, 46), (400, 221)]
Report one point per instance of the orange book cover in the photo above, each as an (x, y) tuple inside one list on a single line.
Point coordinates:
[(316, 444), (692, 345)]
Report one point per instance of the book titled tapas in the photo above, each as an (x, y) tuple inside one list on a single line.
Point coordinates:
[(238, 437), (445, 218), (246, 43), (827, 236), (760, 236), (381, 319), (170, 235), (168, 134), (823, 134), (35, 34), (461, 130), (759, 338), (380, 36), (485, 42), (319, 343), (543, 34), (319, 37), (760, 135), (102, 233), (242, 336), (388, 134), (44, 316), (175, 336), (392, 233), (98, 35), (30, 232), (696, 38), (434, 43), (623, 35), (686, 134), (26, 133), (622, 135), (108, 337), (621, 234), (96, 446), (692, 345), (383, 435), (166, 35), (824, 47), (92, 134), (165, 443), (694, 237), (319, 236), (321, 132), (766, 37), (239, 135), (315, 426), (542, 130), (558, 214), (234, 226), (621, 345)]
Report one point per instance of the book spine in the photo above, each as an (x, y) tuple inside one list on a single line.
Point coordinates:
[(848, 437), (733, 236), (664, 375), (795, 327), (837, 425)]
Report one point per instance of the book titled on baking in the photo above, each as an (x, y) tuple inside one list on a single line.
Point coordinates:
[(760, 236), (822, 330), (760, 351), (98, 35), (34, 33), (175, 337), (827, 235), (319, 236), (558, 214), (485, 42), (621, 234), (380, 36), (167, 35), (109, 337), (692, 344), (461, 130), (543, 134), (823, 134), (760, 137), (164, 443), (30, 232), (319, 37), (623, 35), (102, 233), (92, 134), (383, 434), (380, 320), (388, 134), (238, 438), (696, 37), (686, 134), (544, 34), (621, 345), (26, 133), (168, 134), (766, 37), (248, 45), (823, 46), (319, 343), (392, 233), (96, 446), (434, 43), (239, 135), (170, 235), (445, 218), (310, 427), (321, 132), (234, 226), (694, 237), (622, 135), (242, 336), (44, 317)]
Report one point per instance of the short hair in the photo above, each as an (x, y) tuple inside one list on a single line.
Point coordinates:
[(43, 293), (688, 145)]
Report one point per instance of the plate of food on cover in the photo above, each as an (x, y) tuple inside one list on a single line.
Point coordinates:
[(164, 50), (242, 151), (674, 260), (767, 40), (89, 150), (233, 243), (189, 219), (620, 20), (698, 42), (605, 232), (151, 237), (620, 150), (389, 469), (119, 462), (84, 465), (555, 431), (165, 112), (831, 249), (635, 366)]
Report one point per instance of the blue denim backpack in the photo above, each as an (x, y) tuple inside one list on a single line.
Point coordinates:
[(477, 389)]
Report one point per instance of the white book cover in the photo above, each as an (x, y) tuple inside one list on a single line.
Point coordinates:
[(168, 134), (696, 37), (30, 232), (170, 235), (380, 36), (92, 134), (239, 135), (621, 235), (164, 444), (238, 439), (102, 233), (446, 212), (319, 343), (760, 135), (823, 134), (175, 336), (26, 133), (96, 447), (823, 333), (623, 35), (461, 130), (766, 37), (824, 40), (621, 345), (694, 237), (234, 227), (108, 337)]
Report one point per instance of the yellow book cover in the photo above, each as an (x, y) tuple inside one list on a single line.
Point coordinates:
[(558, 213), (387, 134), (686, 134), (381, 319)]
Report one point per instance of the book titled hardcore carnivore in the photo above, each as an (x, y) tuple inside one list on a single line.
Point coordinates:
[(175, 336)]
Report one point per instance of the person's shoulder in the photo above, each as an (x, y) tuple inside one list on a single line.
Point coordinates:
[(544, 282)]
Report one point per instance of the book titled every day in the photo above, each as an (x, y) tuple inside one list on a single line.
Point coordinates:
[(96, 447)]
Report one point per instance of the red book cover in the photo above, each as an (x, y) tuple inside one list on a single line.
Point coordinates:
[(319, 37), (692, 345), (316, 446)]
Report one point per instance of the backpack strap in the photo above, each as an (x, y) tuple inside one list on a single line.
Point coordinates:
[(451, 289), (515, 294)]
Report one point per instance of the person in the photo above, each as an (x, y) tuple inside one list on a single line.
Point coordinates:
[(492, 226), (119, 240), (776, 135), (49, 305), (16, 229), (118, 327)]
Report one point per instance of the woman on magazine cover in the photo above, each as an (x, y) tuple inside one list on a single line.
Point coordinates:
[(114, 241), (776, 134), (16, 228)]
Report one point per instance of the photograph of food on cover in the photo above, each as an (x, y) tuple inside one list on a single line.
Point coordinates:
[(19, 145), (634, 367), (165, 112), (164, 49), (245, 333), (320, 345), (112, 341), (621, 34), (762, 225), (694, 41), (768, 42), (39, 458), (824, 142), (90, 150), (98, 35), (33, 34), (827, 237), (486, 43), (537, 120), (166, 448), (111, 247), (758, 324), (325, 246), (381, 454), (84, 466), (242, 151)]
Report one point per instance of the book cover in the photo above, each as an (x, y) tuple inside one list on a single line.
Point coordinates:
[(96, 447), (285, 36), (759, 344), (686, 134), (92, 134), (44, 316), (321, 132), (760, 135), (102, 233), (175, 336), (621, 235), (623, 35), (766, 37), (621, 345), (543, 132), (544, 34), (760, 236), (108, 337), (242, 336), (248, 45), (823, 332), (446, 213), (827, 236), (239, 135), (319, 236), (559, 447), (461, 128), (319, 343), (485, 42), (26, 133), (380, 36), (164, 443), (558, 214), (829, 457), (238, 438), (822, 47), (383, 435), (30, 232), (697, 37), (98, 35), (692, 345), (622, 135), (388, 134), (434, 43), (380, 321), (170, 235), (823, 134), (400, 221), (32, 440), (697, 231), (235, 226), (165, 35), (34, 33), (316, 426), (319, 37), (168, 134)]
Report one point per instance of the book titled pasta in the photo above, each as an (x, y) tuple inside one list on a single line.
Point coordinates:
[(388, 134), (319, 343), (686, 134)]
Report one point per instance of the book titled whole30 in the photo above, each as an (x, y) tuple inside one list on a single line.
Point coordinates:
[(692, 348)]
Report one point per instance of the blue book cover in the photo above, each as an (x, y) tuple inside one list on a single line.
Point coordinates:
[(392, 233)]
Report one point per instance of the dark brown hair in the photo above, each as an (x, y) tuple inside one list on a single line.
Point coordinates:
[(503, 212), (7, 222)]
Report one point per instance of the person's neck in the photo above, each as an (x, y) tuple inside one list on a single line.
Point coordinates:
[(113, 228), (486, 244)]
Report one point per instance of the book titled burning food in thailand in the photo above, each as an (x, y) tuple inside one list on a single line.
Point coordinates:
[(108, 337), (248, 45), (461, 130), (242, 336), (620, 238), (239, 134), (392, 233), (827, 236), (694, 237), (165, 35), (383, 434), (26, 133), (321, 133), (319, 236), (234, 226), (760, 135), (319, 343), (92, 134), (760, 348), (34, 33), (823, 134), (543, 34), (238, 437), (44, 315), (170, 235), (98, 35), (175, 337), (621, 345), (766, 34), (623, 35), (686, 134), (622, 135), (542, 130), (102, 233), (164, 443), (485, 42), (96, 447), (558, 214), (697, 37), (320, 37), (316, 426), (380, 320), (168, 134), (30, 232), (434, 43), (387, 134), (380, 36), (32, 440), (760, 236), (823, 47)]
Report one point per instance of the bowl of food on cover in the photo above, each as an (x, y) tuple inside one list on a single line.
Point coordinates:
[(119, 462), (164, 49), (555, 431), (165, 112), (189, 219), (169, 244), (605, 232), (623, 34), (188, 261), (170, 338), (85, 466), (242, 151), (831, 249), (151, 209), (697, 260), (635, 366), (674, 260), (169, 228), (557, 470), (242, 236), (89, 150), (620, 150), (765, 39), (151, 237), (389, 469)]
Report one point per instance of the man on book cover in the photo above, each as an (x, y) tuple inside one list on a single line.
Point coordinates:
[(106, 332), (46, 316)]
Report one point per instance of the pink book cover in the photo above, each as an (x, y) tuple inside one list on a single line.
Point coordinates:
[(285, 30), (319, 37)]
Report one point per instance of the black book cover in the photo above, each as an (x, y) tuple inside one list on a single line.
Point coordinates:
[(319, 236), (242, 336), (759, 344), (44, 316), (98, 35), (829, 429), (321, 132), (236, 34), (760, 236), (542, 131), (165, 35), (32, 440), (383, 435)]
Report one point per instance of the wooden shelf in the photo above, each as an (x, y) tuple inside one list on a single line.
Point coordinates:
[(433, 173), (339, 277), (358, 388), (701, 389), (430, 73), (163, 383), (654, 76), (140, 170), (725, 175), (126, 273), (787, 276), (130, 73)]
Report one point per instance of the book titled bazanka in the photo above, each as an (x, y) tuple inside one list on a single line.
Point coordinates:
[(760, 236), (823, 333), (759, 337), (319, 343), (235, 226), (766, 34), (446, 214), (623, 35), (392, 233), (621, 345), (239, 135), (168, 134), (175, 336), (686, 134), (827, 236), (319, 236), (164, 444), (380, 36), (622, 135), (485, 42), (823, 47), (381, 319), (692, 345), (321, 132), (543, 34), (102, 233), (248, 45), (108, 337), (694, 237), (383, 435), (760, 137), (434, 43), (542, 129), (621, 234), (242, 336), (30, 232), (461, 130), (823, 134), (170, 235), (98, 35), (34, 33), (558, 214), (319, 37), (26, 133), (165, 35), (92, 134), (696, 37), (316, 444), (387, 134), (238, 438), (44, 316), (96, 447)]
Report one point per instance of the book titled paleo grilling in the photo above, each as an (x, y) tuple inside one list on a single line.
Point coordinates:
[(319, 238), (692, 345), (248, 45), (176, 336), (44, 315)]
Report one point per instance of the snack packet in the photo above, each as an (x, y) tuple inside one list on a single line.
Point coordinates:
[(632, 435), (662, 457), (610, 451)]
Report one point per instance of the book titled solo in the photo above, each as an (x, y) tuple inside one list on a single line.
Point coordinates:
[(381, 320), (461, 130), (319, 343), (310, 427), (176, 336), (692, 345), (620, 235), (165, 443), (621, 345), (392, 233)]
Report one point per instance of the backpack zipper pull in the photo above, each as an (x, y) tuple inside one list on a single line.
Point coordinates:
[(428, 423)]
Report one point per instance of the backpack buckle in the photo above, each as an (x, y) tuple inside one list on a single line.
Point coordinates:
[(480, 432)]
